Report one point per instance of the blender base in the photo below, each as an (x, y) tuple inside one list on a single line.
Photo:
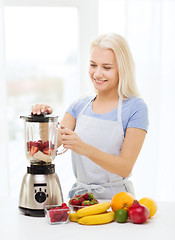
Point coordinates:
[(32, 212), (40, 187)]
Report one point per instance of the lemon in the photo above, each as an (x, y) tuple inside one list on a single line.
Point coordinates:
[(121, 215), (150, 204)]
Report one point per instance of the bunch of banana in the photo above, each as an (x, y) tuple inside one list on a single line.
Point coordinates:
[(95, 214)]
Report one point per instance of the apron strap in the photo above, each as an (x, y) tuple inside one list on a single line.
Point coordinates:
[(119, 112), (80, 187), (86, 106)]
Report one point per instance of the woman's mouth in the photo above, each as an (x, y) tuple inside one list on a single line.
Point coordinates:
[(99, 81)]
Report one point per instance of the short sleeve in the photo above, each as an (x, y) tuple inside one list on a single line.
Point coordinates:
[(139, 115), (71, 110)]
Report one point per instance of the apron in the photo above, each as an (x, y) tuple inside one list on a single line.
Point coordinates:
[(108, 137)]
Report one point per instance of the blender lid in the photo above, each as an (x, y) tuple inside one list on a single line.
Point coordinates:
[(43, 117)]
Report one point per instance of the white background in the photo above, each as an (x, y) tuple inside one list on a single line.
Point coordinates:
[(148, 25)]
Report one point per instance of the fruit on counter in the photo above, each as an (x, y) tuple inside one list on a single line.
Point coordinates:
[(93, 215), (87, 199), (59, 214), (89, 203), (121, 215), (94, 201), (73, 217), (122, 200), (81, 199), (75, 201), (138, 213), (46, 147), (150, 204), (98, 213), (93, 210), (86, 203), (88, 196), (97, 218)]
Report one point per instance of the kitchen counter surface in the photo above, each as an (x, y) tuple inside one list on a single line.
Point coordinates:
[(14, 225)]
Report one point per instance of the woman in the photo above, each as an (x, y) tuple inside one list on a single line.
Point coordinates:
[(105, 132)]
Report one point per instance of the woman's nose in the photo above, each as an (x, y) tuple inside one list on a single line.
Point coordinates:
[(97, 73)]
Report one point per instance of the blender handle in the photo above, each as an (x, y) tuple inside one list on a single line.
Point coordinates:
[(61, 152)]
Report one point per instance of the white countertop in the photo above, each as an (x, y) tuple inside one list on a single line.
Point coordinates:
[(14, 225)]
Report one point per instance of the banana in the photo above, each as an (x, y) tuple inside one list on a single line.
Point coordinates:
[(73, 217), (97, 219), (94, 209)]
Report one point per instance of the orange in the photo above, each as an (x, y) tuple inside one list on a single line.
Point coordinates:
[(122, 200), (150, 204)]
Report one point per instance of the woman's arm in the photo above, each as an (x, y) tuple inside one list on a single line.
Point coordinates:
[(121, 165), (69, 122)]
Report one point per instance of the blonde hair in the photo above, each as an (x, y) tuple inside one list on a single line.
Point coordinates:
[(126, 68)]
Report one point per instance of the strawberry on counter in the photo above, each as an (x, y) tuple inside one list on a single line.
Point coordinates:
[(82, 200)]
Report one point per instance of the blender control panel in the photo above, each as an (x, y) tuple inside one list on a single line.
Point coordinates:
[(40, 192)]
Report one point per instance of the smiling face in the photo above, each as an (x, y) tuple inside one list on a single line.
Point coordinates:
[(103, 70)]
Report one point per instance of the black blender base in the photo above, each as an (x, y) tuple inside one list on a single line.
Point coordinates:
[(32, 212)]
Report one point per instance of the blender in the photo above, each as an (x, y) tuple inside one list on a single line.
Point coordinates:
[(40, 185)]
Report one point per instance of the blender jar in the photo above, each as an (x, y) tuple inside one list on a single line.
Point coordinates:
[(41, 132)]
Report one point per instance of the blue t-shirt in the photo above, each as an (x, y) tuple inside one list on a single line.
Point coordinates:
[(134, 112)]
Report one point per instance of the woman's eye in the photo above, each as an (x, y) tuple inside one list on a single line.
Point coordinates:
[(92, 65), (107, 68)]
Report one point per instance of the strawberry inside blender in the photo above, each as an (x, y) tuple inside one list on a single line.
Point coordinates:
[(40, 150)]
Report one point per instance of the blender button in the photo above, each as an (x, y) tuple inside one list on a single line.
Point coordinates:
[(40, 189), (45, 190), (40, 197), (47, 195), (35, 191)]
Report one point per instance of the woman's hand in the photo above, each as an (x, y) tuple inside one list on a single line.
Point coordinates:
[(70, 140), (41, 108)]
